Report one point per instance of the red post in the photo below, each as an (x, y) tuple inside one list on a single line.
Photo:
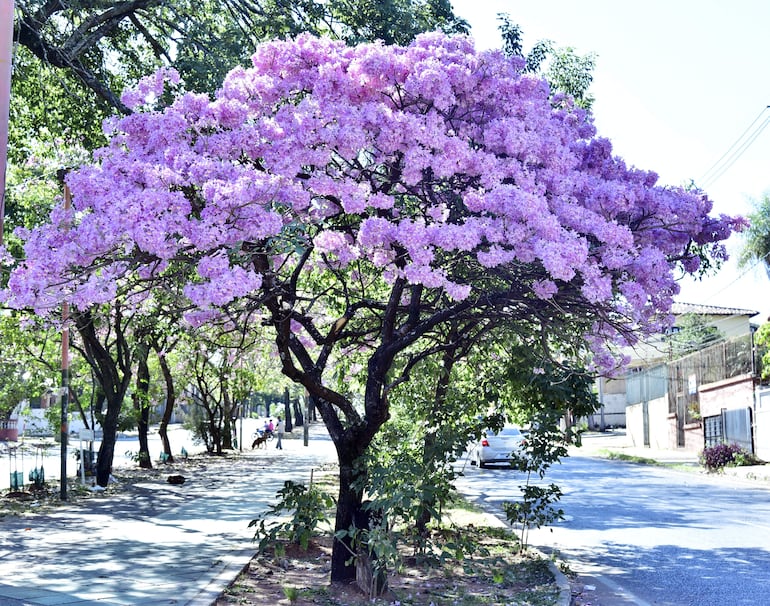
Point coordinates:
[(65, 383), (6, 60)]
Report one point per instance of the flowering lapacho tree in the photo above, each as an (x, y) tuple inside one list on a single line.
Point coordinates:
[(357, 200)]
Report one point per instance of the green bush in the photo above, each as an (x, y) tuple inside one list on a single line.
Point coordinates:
[(309, 508), (719, 456)]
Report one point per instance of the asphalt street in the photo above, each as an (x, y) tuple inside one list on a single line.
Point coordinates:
[(639, 535)]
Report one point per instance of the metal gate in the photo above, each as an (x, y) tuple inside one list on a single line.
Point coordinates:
[(713, 430), (730, 427)]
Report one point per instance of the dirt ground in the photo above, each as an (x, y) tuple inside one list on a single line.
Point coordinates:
[(503, 578)]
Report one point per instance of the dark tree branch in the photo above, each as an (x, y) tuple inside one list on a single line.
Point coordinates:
[(157, 47), (32, 39), (87, 36)]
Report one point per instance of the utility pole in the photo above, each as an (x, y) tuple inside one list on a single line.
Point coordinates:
[(6, 61)]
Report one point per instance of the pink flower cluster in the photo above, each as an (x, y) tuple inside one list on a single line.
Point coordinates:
[(407, 158)]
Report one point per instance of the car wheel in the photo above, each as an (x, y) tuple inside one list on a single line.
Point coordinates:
[(482, 464)]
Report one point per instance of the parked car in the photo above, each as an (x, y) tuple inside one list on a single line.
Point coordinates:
[(497, 447)]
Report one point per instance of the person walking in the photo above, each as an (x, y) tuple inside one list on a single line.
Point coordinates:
[(279, 427)]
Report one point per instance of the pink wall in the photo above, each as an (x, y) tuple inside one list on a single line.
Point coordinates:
[(731, 394)]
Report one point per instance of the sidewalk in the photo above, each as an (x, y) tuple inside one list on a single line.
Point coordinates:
[(153, 543), (617, 442)]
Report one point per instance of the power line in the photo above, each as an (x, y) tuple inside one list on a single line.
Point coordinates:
[(737, 154), (736, 150)]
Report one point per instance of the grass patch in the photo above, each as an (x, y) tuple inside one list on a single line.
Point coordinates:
[(619, 456)]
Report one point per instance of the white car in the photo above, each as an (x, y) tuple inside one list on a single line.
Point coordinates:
[(497, 447)]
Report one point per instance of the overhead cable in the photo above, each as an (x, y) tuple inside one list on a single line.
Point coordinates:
[(736, 150)]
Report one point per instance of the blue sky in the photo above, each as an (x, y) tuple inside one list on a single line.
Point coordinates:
[(677, 82)]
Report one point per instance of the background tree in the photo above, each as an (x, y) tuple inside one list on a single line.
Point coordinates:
[(28, 362), (208, 394), (691, 333), (107, 349), (756, 238), (163, 341), (565, 70), (537, 385), (219, 377), (762, 340), (142, 402)]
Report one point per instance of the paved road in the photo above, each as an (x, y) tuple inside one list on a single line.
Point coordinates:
[(155, 543), (643, 535)]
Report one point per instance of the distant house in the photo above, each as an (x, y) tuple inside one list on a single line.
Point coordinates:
[(614, 394), (701, 398)]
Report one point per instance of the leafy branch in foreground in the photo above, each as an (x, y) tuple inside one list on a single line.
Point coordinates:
[(308, 506), (545, 444)]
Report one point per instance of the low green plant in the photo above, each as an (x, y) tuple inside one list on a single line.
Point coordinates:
[(291, 593), (536, 509), (137, 457), (545, 445), (374, 550), (308, 507), (621, 456), (743, 458)]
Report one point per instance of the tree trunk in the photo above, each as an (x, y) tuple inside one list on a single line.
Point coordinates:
[(145, 458), (113, 375), (109, 435), (348, 509), (141, 402), (73, 397), (227, 422), (298, 416), (169, 408), (287, 410), (217, 422), (215, 426)]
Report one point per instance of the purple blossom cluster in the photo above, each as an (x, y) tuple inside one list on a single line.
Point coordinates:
[(407, 158)]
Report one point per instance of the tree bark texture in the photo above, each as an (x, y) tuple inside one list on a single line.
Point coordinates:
[(142, 405), (168, 410), (112, 369)]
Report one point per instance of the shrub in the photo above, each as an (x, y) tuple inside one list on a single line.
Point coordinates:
[(719, 456), (308, 507)]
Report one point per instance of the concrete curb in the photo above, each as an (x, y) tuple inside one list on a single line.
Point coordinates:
[(230, 568), (562, 582)]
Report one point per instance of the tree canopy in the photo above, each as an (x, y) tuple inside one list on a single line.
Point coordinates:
[(409, 157), (693, 333)]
